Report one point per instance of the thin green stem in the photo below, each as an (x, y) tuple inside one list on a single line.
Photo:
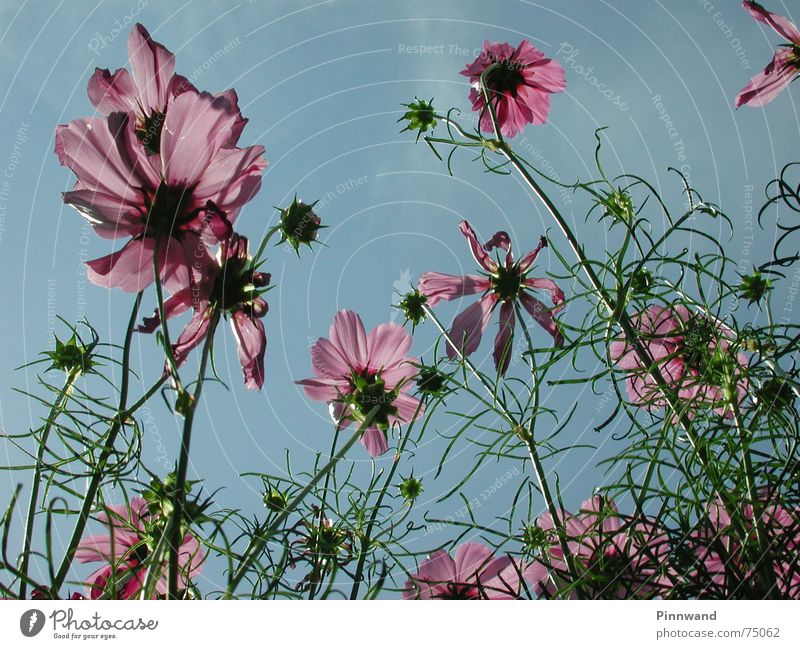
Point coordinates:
[(108, 448), (33, 504), (367, 538), (179, 501), (527, 436), (258, 541)]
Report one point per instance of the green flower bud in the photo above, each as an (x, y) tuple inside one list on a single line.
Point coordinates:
[(410, 488), (72, 356), (299, 224), (275, 500), (420, 115), (413, 307), (754, 287)]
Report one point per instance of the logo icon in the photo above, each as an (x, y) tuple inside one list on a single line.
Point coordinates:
[(31, 622)]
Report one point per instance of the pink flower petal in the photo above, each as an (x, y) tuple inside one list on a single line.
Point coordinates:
[(375, 442), (153, 66), (251, 339), (347, 333), (769, 83), (543, 316), (438, 286), (783, 26), (556, 294), (478, 252), (130, 269), (386, 343), (471, 559), (110, 93), (469, 325), (503, 342)]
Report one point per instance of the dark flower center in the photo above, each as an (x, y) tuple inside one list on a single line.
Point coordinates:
[(368, 391), (168, 210), (698, 336), (148, 130), (506, 77), (507, 283), (460, 591)]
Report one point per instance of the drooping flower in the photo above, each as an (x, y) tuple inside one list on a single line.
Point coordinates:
[(785, 64), (147, 93), (356, 371), (723, 568), (235, 289), (504, 283), (615, 558), (180, 200), (124, 551), (520, 84), (693, 353), (474, 573)]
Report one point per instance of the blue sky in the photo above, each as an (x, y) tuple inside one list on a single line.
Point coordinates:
[(322, 85)]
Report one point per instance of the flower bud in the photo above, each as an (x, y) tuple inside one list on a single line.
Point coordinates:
[(754, 287), (410, 488), (299, 224), (413, 307), (420, 115)]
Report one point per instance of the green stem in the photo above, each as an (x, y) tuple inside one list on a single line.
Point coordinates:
[(367, 538), (55, 411), (179, 501), (258, 541), (527, 436), (173, 368), (108, 448)]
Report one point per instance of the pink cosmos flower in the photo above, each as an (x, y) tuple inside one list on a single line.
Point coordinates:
[(505, 282), (520, 85), (693, 354), (616, 559), (725, 577), (234, 286), (149, 91), (475, 573), (181, 199), (125, 549), (356, 371), (783, 68)]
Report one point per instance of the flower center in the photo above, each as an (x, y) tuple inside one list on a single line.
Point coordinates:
[(460, 591), (368, 391), (507, 283), (168, 210), (506, 77)]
